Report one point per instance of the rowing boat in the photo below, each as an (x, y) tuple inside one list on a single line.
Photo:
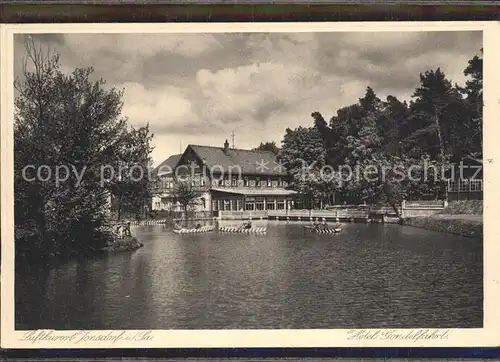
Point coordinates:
[(253, 230), (202, 229), (322, 230)]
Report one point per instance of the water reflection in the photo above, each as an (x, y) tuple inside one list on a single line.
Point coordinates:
[(368, 276)]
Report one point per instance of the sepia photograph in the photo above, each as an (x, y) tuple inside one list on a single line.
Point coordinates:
[(298, 180)]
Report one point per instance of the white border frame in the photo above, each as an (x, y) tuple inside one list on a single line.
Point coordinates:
[(485, 337)]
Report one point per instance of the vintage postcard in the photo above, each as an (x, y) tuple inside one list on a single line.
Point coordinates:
[(250, 185)]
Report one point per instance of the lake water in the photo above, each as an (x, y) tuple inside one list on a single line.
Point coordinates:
[(368, 276)]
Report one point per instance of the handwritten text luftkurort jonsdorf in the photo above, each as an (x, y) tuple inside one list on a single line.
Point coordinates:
[(413, 335), (86, 336)]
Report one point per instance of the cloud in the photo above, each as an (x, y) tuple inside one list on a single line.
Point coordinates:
[(252, 92), (197, 88), (144, 45)]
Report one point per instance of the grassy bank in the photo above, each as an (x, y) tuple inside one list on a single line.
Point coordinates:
[(464, 225), (469, 207), (463, 218)]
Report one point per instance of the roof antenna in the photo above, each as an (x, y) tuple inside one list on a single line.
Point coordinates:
[(232, 138)]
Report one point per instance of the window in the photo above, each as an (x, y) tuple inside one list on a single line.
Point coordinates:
[(270, 205), (249, 206), (463, 185), (203, 202), (259, 205), (279, 182), (257, 182), (234, 181), (234, 204), (280, 205), (227, 205), (202, 181), (269, 183), (245, 181), (476, 185)]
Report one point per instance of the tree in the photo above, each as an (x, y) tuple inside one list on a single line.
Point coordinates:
[(436, 118), (302, 148), (349, 122), (387, 179), (390, 124), (268, 146), (473, 93), (365, 143), (186, 194), (317, 185), (64, 120), (304, 155), (132, 187)]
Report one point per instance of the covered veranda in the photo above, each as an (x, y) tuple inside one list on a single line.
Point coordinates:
[(252, 199)]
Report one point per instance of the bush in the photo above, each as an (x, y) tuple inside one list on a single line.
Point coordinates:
[(452, 226), (468, 207)]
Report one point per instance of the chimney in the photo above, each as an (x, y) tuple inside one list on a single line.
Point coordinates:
[(226, 147)]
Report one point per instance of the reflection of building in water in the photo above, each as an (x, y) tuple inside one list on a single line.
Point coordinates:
[(231, 179)]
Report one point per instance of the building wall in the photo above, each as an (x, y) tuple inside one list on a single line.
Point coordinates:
[(161, 200), (466, 189), (200, 176), (460, 196), (228, 202)]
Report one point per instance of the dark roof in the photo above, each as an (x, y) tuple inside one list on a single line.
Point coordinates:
[(250, 161), (167, 165)]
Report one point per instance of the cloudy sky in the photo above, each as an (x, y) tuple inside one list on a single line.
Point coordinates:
[(197, 88)]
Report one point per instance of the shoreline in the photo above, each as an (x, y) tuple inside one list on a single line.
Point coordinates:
[(463, 225), (117, 245), (127, 243)]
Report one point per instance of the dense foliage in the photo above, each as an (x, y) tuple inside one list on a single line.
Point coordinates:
[(441, 124), (186, 194), (268, 146), (66, 122)]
